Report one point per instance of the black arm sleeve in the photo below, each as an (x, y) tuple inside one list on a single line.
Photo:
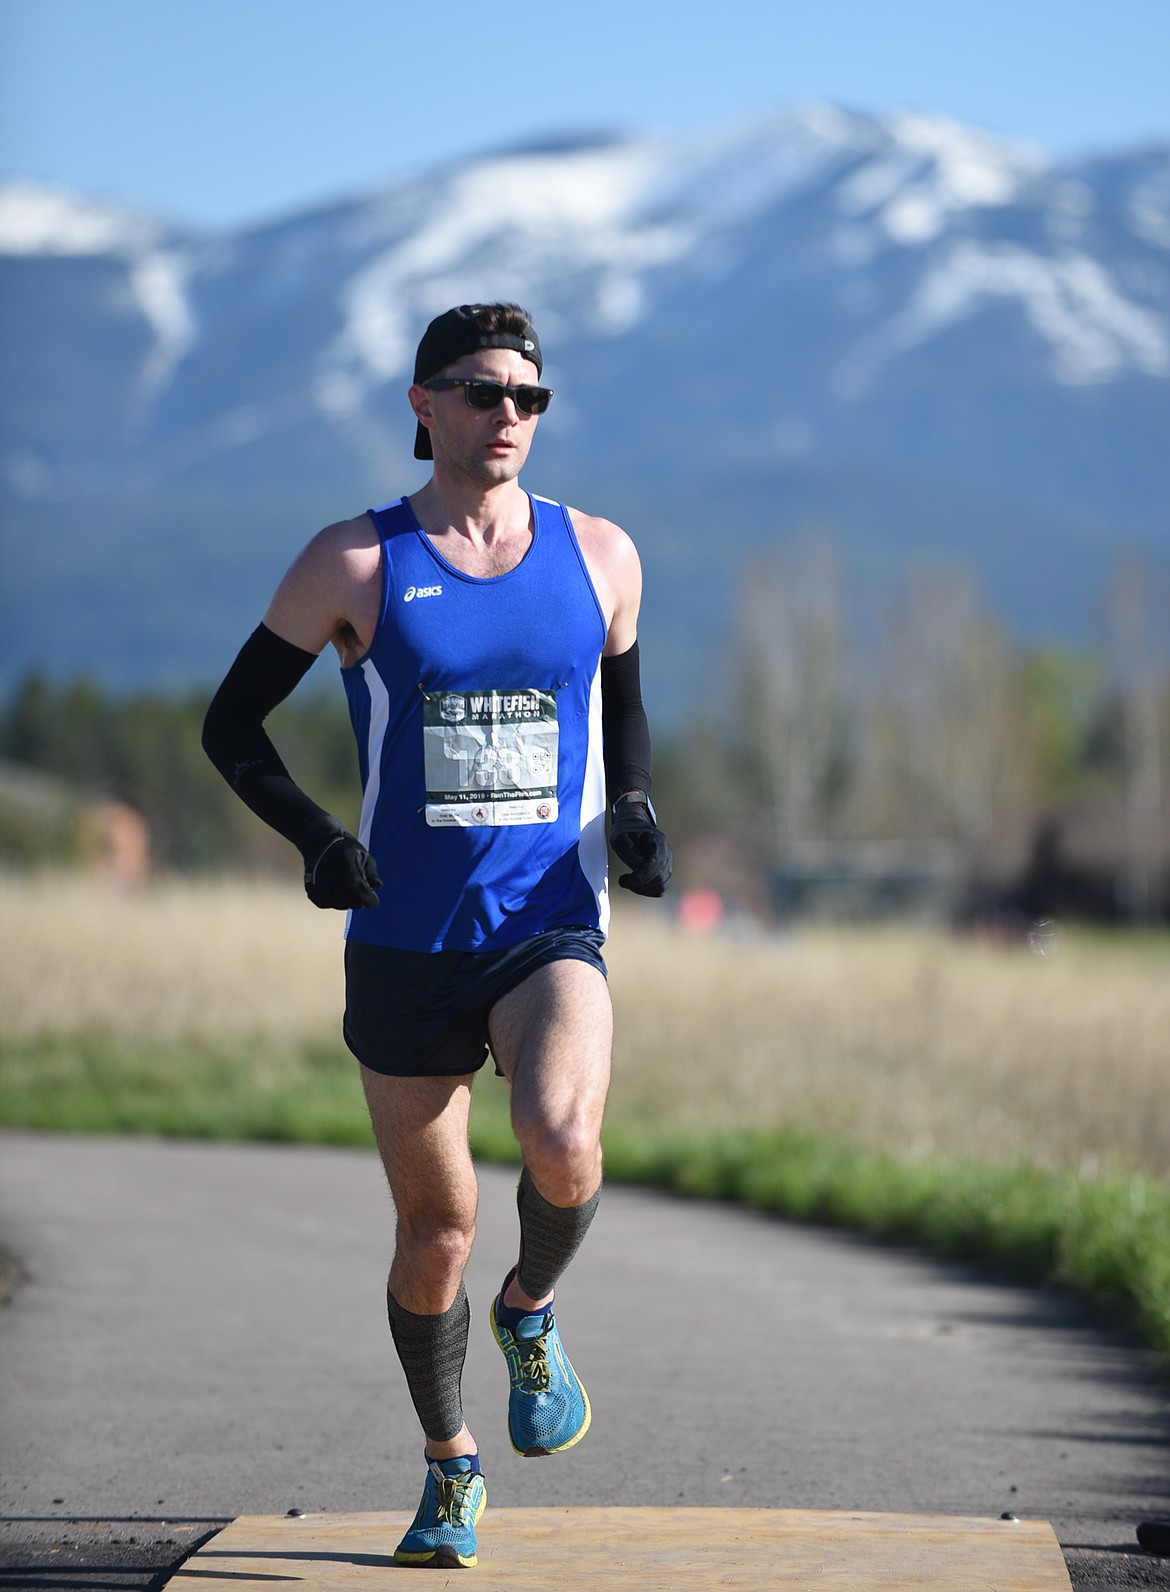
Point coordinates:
[(264, 673), (625, 732)]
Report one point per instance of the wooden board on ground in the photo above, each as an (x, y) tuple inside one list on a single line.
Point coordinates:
[(644, 1550)]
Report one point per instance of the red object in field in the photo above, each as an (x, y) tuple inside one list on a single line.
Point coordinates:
[(700, 911)]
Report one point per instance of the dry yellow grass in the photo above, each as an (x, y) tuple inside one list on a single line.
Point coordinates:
[(904, 1041), (184, 960), (907, 1041)]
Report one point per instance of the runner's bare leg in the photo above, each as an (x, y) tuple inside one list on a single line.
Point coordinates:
[(552, 1037), (420, 1125)]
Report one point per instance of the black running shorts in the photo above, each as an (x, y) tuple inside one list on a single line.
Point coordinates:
[(414, 1014)]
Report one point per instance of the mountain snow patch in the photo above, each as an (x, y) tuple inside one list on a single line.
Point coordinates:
[(159, 282), (931, 170), (37, 219), (1093, 331)]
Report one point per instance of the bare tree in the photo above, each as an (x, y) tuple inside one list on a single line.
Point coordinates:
[(942, 745), (793, 667), (1139, 648), (924, 733)]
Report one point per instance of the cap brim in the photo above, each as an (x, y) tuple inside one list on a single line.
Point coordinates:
[(422, 443)]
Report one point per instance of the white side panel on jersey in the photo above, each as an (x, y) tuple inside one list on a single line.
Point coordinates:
[(592, 848), (375, 740)]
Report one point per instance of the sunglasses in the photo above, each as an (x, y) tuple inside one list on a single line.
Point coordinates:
[(490, 394)]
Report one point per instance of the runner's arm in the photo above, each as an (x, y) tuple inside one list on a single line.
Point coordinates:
[(634, 833), (339, 871)]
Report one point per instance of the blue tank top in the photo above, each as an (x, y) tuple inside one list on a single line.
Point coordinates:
[(477, 712)]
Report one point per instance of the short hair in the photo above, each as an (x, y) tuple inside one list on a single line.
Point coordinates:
[(493, 318)]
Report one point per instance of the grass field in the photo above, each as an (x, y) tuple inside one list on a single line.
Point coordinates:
[(975, 1096)]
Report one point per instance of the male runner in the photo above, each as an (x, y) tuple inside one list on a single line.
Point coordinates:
[(488, 646)]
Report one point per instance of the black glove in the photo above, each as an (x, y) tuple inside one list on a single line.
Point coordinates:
[(339, 871), (639, 842)]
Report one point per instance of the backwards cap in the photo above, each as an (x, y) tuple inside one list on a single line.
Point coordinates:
[(455, 333)]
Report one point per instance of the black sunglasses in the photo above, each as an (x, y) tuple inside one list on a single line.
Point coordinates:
[(489, 394)]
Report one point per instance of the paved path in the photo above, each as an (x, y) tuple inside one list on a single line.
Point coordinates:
[(202, 1334)]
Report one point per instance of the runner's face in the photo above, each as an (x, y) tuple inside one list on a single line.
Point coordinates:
[(488, 446)]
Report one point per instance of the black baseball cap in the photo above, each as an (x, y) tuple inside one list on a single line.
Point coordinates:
[(457, 332)]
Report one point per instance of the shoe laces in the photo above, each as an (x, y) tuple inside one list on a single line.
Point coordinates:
[(534, 1370), (452, 1496)]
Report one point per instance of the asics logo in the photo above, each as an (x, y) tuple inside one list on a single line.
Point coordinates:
[(412, 592)]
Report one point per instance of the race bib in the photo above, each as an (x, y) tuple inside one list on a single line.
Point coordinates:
[(490, 758)]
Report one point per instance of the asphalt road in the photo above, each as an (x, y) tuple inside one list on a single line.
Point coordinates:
[(200, 1333)]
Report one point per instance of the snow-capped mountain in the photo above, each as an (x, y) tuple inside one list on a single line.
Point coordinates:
[(927, 337)]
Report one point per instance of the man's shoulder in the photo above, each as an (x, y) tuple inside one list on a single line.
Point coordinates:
[(612, 561), (596, 528), (602, 539), (344, 551), (360, 531), (344, 540)]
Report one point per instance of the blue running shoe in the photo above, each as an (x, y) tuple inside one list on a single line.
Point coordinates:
[(442, 1533), (548, 1409)]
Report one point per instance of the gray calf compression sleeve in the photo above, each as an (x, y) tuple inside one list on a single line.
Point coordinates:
[(550, 1235), (432, 1350)]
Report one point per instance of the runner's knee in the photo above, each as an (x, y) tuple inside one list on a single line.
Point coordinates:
[(433, 1247), (564, 1156), (560, 1141)]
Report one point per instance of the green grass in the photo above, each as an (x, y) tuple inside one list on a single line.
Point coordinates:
[(307, 1095), (1108, 1239)]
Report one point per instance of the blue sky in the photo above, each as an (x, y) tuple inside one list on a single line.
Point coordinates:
[(217, 112)]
